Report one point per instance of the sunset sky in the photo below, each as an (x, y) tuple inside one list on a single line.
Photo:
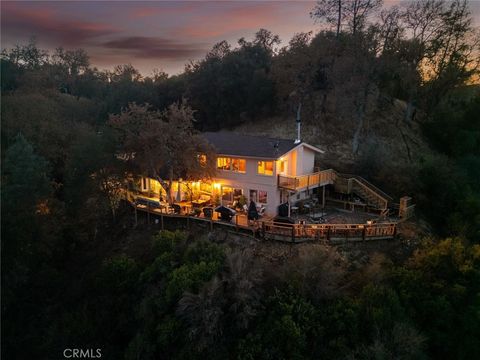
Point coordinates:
[(162, 35)]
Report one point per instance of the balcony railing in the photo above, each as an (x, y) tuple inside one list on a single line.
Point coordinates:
[(319, 178)]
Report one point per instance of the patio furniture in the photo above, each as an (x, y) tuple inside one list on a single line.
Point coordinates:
[(226, 214), (208, 212), (202, 200), (261, 212), (177, 209)]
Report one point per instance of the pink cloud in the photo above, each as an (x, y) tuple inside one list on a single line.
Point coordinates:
[(47, 23)]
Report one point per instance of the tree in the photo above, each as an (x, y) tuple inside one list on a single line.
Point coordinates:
[(164, 145), (351, 13), (266, 39)]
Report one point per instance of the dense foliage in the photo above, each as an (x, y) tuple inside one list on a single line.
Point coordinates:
[(67, 280)]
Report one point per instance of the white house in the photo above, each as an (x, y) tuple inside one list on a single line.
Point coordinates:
[(268, 171)]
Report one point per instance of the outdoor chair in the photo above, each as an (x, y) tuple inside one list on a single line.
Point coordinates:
[(208, 212), (261, 212), (177, 209)]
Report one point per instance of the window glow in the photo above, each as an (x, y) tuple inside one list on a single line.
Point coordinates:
[(265, 168)]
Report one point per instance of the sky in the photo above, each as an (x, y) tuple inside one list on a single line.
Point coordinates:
[(162, 35)]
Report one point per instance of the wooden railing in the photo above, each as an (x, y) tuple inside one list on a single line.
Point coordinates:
[(367, 184), (407, 212), (346, 183), (382, 201), (280, 231), (315, 179), (304, 232)]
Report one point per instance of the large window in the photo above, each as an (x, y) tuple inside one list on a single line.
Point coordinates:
[(202, 159), (231, 164), (206, 187), (239, 165), (258, 196), (262, 197), (265, 168), (230, 194), (223, 163)]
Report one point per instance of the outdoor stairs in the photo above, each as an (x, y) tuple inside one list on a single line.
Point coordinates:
[(369, 193), (373, 197)]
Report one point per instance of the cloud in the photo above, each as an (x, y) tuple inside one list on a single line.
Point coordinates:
[(155, 47), (228, 18), (46, 23)]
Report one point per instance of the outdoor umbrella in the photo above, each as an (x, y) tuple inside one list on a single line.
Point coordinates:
[(252, 211), (179, 194)]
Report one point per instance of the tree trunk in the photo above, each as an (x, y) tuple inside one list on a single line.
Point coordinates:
[(409, 111), (339, 20), (360, 117)]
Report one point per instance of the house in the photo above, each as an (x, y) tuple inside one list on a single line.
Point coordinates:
[(271, 172), (268, 171), (261, 168)]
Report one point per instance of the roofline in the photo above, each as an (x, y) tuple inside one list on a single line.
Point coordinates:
[(314, 148), (250, 157), (311, 147)]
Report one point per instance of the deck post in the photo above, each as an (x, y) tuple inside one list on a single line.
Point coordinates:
[(323, 197), (293, 234), (136, 217), (363, 233), (161, 220), (211, 224), (188, 222)]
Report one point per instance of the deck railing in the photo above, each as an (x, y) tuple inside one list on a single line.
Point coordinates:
[(281, 231), (315, 179), (303, 232)]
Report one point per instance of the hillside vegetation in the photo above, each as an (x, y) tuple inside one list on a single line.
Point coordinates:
[(387, 93)]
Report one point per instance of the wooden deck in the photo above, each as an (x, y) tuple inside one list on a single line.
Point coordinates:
[(266, 228), (304, 182)]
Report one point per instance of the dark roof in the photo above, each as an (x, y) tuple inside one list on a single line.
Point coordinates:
[(229, 143)]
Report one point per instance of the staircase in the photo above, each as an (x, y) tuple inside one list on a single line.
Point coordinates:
[(369, 193)]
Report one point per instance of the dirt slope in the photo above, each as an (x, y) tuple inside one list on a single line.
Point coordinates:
[(389, 148)]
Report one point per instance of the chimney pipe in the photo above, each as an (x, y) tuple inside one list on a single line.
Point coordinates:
[(299, 109)]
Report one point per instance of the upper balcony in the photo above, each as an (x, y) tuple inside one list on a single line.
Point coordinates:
[(308, 181)]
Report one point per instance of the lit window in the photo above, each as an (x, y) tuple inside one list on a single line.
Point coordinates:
[(262, 197), (229, 194), (239, 165), (223, 163), (202, 159), (265, 168), (231, 164)]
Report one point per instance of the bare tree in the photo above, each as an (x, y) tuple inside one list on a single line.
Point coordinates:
[(340, 13)]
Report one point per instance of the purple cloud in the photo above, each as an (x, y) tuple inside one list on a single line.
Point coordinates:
[(48, 24), (155, 47)]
